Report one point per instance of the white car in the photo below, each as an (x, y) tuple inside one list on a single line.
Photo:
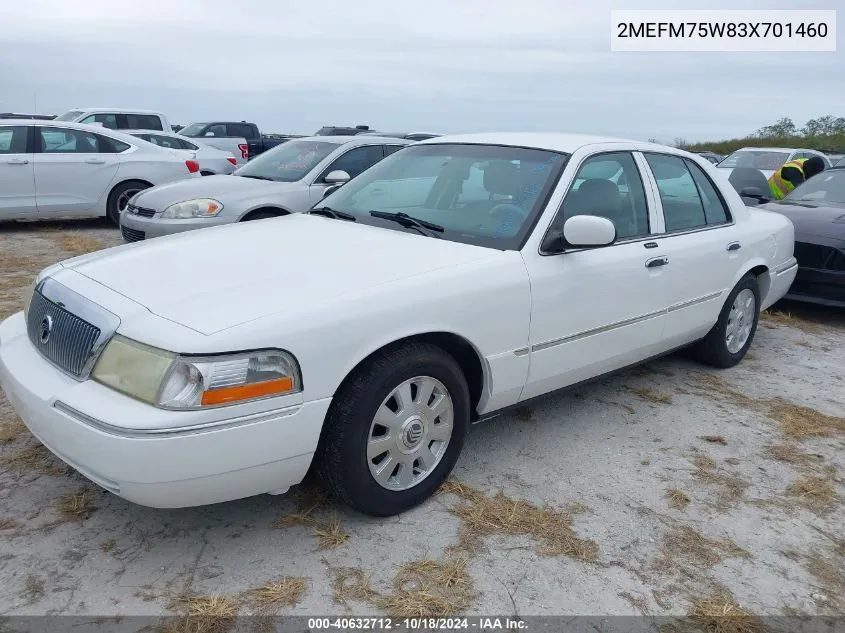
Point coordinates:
[(117, 118), (767, 159), (212, 161), (455, 278), (50, 169)]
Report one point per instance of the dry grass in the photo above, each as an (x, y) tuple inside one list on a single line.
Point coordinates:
[(678, 499), (429, 588), (108, 546), (792, 454), (828, 574), (203, 614), (638, 602), (791, 320), (651, 396), (485, 516), (803, 422), (35, 458), (714, 439), (330, 534), (8, 523), (814, 493), (720, 613), (730, 486), (76, 506), (715, 386), (77, 243), (11, 430), (310, 501), (685, 544), (33, 588), (12, 263), (285, 592), (350, 583)]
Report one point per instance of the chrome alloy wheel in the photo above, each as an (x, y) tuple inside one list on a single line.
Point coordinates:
[(410, 433), (740, 321)]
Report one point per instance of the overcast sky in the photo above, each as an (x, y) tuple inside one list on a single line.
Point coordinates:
[(412, 65)]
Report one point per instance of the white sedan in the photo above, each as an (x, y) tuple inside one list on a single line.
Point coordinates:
[(457, 277), (50, 169), (212, 161)]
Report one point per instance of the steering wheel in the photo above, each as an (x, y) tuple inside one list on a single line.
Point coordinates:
[(501, 211)]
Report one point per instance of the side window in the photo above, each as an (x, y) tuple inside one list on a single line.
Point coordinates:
[(111, 146), (241, 130), (13, 140), (108, 120), (715, 210), (682, 205), (389, 149), (218, 129), (56, 140), (164, 141), (609, 185), (185, 144), (357, 160), (142, 122)]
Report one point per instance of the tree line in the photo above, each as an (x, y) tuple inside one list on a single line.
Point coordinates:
[(826, 133)]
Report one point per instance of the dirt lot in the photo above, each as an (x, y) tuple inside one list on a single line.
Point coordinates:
[(669, 489)]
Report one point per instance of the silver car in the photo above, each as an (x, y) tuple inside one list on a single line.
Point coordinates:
[(289, 178)]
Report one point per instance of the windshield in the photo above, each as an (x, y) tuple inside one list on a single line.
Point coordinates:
[(193, 129), (289, 162), (484, 195), (70, 115), (756, 159), (826, 188)]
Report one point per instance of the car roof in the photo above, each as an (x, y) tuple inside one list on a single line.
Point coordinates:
[(557, 142), (775, 149), (117, 110), (357, 139)]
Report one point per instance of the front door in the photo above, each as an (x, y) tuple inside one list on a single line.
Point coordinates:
[(73, 170), (17, 180), (596, 310), (353, 162)]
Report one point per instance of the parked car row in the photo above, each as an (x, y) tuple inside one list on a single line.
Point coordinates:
[(448, 280)]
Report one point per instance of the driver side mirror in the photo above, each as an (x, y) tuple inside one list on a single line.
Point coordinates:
[(755, 194), (337, 177), (582, 231)]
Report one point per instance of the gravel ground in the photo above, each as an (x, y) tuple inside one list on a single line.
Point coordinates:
[(668, 489)]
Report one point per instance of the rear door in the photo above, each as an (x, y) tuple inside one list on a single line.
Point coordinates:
[(699, 243), (73, 169), (17, 172)]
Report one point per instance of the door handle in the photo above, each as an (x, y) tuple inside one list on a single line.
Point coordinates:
[(650, 244), (734, 246), (18, 161), (654, 262), (95, 161)]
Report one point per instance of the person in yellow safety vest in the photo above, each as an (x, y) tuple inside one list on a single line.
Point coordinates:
[(792, 174)]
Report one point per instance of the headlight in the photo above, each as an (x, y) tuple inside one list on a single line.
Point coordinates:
[(170, 381), (199, 208)]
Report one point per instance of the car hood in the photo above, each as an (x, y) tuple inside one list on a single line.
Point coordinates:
[(813, 221), (222, 188), (220, 277)]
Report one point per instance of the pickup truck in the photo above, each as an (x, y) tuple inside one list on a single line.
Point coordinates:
[(220, 134), (117, 118)]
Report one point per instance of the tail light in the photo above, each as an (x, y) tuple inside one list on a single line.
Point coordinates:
[(192, 165), (233, 160), (244, 150)]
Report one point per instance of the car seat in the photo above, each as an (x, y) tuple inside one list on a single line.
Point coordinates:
[(597, 196)]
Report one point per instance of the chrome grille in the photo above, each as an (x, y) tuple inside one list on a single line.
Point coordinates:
[(61, 337), (143, 212), (132, 235)]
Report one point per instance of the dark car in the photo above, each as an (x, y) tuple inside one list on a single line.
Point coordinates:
[(339, 130), (257, 142), (817, 210)]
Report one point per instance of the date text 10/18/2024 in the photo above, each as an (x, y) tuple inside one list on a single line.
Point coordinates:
[(416, 624)]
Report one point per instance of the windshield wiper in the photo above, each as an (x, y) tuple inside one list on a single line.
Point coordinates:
[(331, 213), (256, 177), (426, 228)]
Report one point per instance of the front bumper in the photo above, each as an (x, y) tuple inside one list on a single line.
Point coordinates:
[(243, 454), (823, 287), (137, 227)]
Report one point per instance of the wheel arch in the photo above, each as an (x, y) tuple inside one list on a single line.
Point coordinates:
[(760, 270), (268, 208), (469, 359)]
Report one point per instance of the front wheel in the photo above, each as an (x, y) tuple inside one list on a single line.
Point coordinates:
[(395, 429), (728, 342), (119, 199)]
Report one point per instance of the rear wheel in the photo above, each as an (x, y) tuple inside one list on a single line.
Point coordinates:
[(395, 429), (119, 198), (728, 342)]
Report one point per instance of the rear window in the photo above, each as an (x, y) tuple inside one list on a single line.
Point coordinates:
[(70, 115), (143, 122), (756, 159)]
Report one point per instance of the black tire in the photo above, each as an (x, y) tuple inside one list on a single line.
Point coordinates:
[(341, 460), (260, 215), (207, 173), (117, 198), (713, 348)]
